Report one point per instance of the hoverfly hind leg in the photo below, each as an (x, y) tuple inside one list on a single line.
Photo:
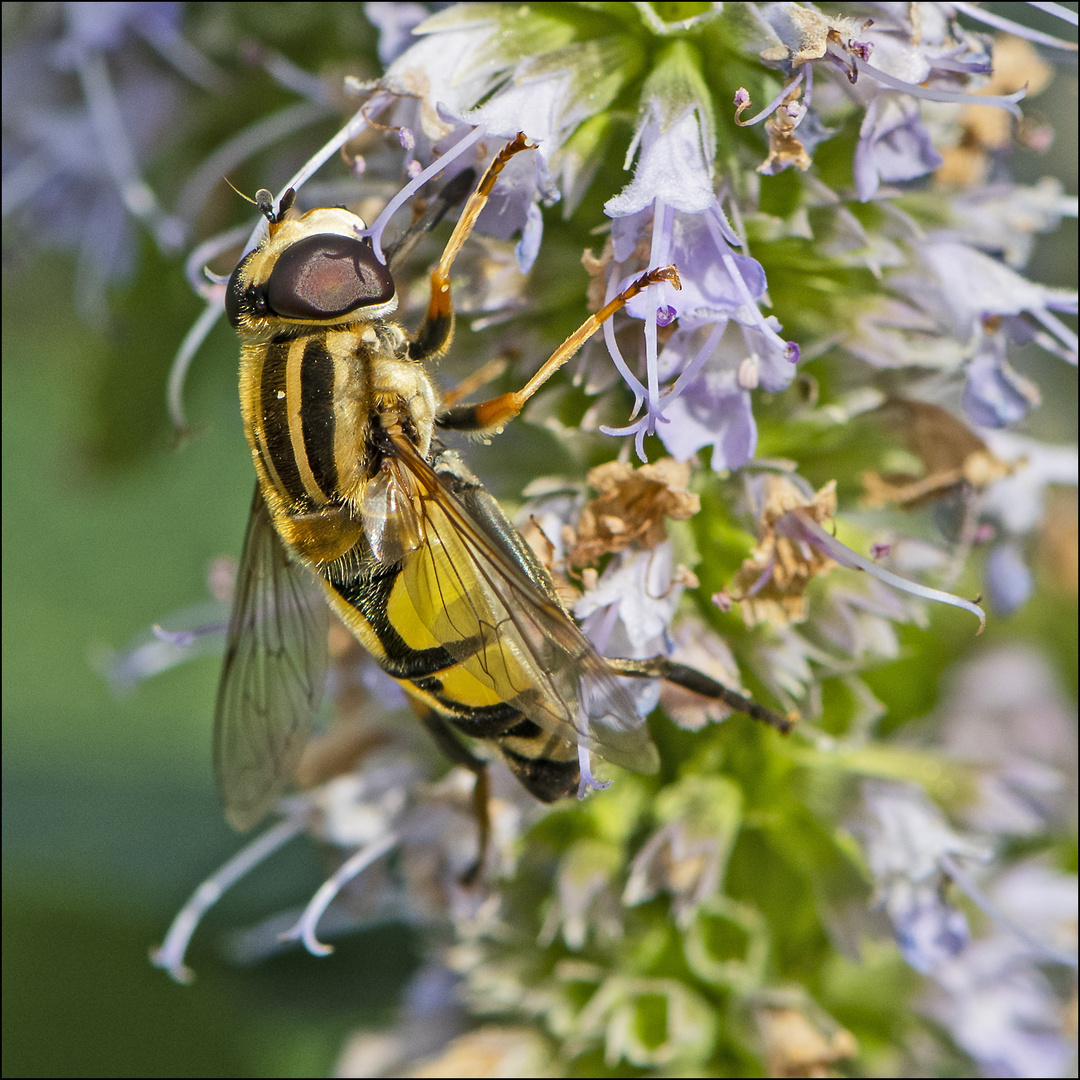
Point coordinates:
[(660, 667), (459, 754)]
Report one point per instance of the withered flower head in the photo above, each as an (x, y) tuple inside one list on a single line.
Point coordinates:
[(632, 505), (771, 582), (786, 148), (951, 453), (796, 1045)]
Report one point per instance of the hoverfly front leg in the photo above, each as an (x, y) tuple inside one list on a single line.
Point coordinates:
[(452, 193), (433, 337)]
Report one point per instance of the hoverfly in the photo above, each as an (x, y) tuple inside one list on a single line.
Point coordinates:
[(360, 509)]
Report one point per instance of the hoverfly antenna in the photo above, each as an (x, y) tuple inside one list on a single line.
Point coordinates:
[(264, 200), (284, 205)]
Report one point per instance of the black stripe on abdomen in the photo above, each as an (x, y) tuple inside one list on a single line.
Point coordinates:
[(548, 780), (317, 414), (476, 721), (369, 593)]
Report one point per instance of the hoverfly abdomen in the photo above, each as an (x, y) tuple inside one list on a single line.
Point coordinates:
[(539, 771)]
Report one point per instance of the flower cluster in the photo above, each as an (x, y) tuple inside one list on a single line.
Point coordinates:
[(822, 418)]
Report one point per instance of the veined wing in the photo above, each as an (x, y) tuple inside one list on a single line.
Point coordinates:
[(273, 677), (512, 643)]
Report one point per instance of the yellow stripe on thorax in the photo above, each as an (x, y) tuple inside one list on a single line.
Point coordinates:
[(293, 401)]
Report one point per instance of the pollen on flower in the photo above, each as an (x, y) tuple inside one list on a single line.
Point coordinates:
[(631, 506), (771, 583)]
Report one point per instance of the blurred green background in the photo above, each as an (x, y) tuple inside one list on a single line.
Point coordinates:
[(110, 818)]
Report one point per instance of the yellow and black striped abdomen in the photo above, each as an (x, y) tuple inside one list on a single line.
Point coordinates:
[(470, 683), (428, 623)]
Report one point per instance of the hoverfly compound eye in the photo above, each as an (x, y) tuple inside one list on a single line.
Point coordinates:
[(327, 276)]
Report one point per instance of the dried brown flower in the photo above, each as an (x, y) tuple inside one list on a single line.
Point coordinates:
[(771, 582), (631, 506)]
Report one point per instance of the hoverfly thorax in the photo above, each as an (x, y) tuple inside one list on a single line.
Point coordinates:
[(324, 377)]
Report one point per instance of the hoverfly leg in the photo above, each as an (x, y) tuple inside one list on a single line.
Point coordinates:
[(660, 667), (433, 337), (458, 753), (493, 415), (482, 810)]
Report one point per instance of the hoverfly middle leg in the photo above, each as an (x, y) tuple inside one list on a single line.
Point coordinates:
[(433, 337), (492, 416)]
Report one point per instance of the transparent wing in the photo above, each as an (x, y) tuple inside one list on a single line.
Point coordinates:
[(273, 677), (512, 642)]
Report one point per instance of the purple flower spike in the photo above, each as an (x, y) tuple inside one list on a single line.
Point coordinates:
[(907, 840)]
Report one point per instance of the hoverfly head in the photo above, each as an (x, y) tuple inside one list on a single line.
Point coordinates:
[(315, 270)]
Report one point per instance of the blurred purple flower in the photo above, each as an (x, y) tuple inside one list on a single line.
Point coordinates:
[(905, 839), (996, 394), (968, 287), (1018, 501), (892, 146), (395, 23), (74, 148), (1004, 713), (1009, 580), (999, 1007)]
